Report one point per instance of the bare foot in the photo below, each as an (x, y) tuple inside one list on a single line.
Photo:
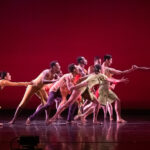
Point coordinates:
[(96, 122), (111, 119), (121, 121), (28, 122), (50, 121), (11, 122)]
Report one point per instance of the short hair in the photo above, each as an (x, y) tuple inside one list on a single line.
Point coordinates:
[(80, 59), (96, 58), (3, 74), (107, 57), (71, 67), (97, 68), (53, 63)]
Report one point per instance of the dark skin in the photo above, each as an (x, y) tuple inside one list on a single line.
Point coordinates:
[(38, 83)]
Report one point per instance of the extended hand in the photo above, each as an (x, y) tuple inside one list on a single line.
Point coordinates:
[(134, 67), (125, 80)]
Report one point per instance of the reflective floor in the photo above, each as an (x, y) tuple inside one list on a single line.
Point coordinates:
[(135, 134)]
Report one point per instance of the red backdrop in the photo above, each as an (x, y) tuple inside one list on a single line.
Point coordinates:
[(33, 33)]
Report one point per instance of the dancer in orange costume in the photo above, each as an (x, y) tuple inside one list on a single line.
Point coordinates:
[(5, 80)]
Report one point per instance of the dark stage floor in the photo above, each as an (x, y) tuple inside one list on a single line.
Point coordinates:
[(133, 135)]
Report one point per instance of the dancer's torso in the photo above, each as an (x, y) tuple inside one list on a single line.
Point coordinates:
[(62, 82)]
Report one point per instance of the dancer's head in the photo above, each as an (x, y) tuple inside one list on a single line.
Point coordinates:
[(81, 60), (72, 68), (108, 59), (5, 75), (97, 60), (97, 68), (55, 66)]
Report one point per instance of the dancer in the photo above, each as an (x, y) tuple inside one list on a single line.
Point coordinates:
[(108, 97), (5, 80), (45, 76), (109, 72), (105, 95), (82, 62), (97, 60), (92, 80), (67, 80)]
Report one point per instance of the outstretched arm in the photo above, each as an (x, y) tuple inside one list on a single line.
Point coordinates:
[(9, 83), (119, 72), (72, 87), (143, 68), (113, 80)]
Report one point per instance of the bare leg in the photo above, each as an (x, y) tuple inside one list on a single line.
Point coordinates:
[(94, 108), (61, 103), (118, 111), (28, 94), (88, 109), (71, 100), (105, 111), (64, 92), (86, 113), (96, 111), (110, 110), (57, 106)]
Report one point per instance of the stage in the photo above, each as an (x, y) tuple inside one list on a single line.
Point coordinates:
[(135, 134)]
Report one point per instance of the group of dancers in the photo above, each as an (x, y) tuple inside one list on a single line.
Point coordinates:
[(84, 90)]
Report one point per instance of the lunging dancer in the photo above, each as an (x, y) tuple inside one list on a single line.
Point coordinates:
[(45, 76)]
